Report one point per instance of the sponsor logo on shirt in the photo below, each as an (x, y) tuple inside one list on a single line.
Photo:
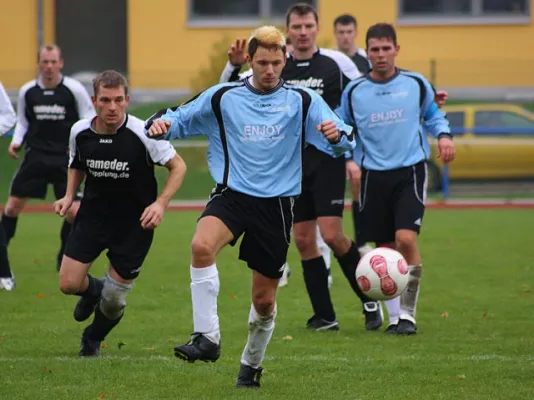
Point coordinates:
[(108, 169), (51, 113), (383, 118), (316, 84), (260, 133)]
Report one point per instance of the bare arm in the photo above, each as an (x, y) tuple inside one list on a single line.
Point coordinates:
[(74, 179)]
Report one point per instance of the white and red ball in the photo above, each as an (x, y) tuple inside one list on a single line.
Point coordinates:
[(382, 274)]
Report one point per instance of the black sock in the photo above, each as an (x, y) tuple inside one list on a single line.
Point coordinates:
[(64, 235), (348, 263), (357, 221), (10, 226), (101, 326), (94, 289), (316, 279), (5, 270)]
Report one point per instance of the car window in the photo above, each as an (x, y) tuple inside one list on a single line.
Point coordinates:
[(503, 122), (456, 122)]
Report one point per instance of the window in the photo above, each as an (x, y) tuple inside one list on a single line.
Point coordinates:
[(456, 122), (239, 12), (463, 11), (498, 122)]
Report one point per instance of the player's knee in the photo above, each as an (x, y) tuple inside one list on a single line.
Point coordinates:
[(113, 299), (305, 240), (264, 302), (201, 249), (333, 238), (69, 284), (14, 206), (406, 241)]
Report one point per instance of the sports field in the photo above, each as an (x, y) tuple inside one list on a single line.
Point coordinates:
[(474, 342)]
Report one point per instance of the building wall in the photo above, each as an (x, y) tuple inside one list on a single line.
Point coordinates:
[(19, 40), (165, 52)]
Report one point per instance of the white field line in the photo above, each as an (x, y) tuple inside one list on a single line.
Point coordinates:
[(160, 358)]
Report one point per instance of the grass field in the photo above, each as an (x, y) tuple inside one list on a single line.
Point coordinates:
[(474, 342)]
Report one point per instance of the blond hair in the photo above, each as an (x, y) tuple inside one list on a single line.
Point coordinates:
[(266, 36)]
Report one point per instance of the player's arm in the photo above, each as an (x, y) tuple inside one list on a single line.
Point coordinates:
[(163, 153), (21, 128), (7, 113), (437, 125), (349, 70), (322, 119), (84, 105), (236, 59), (193, 118)]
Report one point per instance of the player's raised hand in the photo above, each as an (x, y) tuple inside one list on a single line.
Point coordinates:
[(329, 130), (152, 216), (62, 206), (441, 98), (13, 149), (159, 128), (446, 149), (237, 53)]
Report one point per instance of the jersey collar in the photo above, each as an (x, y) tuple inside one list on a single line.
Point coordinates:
[(250, 87), (397, 72)]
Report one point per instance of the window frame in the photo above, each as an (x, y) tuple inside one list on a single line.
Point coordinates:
[(236, 22), (476, 17)]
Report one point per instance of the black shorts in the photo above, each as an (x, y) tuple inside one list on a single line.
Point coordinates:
[(392, 200), (323, 186), (127, 243), (265, 222), (37, 170)]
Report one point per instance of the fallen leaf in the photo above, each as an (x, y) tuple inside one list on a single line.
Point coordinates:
[(460, 377), (287, 337), (105, 345), (36, 261), (485, 315), (233, 296), (121, 345), (46, 370), (41, 296), (445, 314)]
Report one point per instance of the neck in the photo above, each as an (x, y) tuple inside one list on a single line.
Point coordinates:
[(50, 83), (350, 51), (304, 54), (257, 85), (102, 128), (383, 76)]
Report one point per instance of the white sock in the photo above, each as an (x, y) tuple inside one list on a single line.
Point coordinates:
[(408, 298), (393, 307), (204, 292), (326, 253), (260, 331)]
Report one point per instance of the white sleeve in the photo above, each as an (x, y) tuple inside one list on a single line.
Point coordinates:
[(84, 105), (160, 151), (22, 122), (347, 68), (7, 113), (230, 73)]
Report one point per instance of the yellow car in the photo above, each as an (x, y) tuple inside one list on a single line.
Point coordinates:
[(493, 141)]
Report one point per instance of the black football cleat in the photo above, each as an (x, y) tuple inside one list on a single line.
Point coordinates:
[(249, 377), (406, 327), (88, 347), (373, 315), (318, 324), (198, 348)]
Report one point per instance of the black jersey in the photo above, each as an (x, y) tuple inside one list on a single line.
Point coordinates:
[(362, 63), (45, 116), (327, 72), (119, 167)]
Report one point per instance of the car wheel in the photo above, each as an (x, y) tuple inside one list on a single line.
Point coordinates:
[(433, 178)]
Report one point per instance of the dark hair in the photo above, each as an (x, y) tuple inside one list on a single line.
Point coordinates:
[(381, 31), (254, 44), (345, 19), (302, 9), (49, 47), (110, 79)]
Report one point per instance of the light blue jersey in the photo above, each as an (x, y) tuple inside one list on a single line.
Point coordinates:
[(391, 119), (256, 138)]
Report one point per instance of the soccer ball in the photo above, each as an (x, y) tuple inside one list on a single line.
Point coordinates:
[(382, 274)]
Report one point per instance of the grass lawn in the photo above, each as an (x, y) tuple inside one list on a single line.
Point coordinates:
[(475, 320)]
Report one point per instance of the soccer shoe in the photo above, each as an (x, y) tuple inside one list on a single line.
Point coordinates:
[(391, 329), (8, 283), (88, 347), (85, 307), (198, 348), (406, 327), (319, 324), (365, 249), (249, 377), (284, 280), (374, 315)]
